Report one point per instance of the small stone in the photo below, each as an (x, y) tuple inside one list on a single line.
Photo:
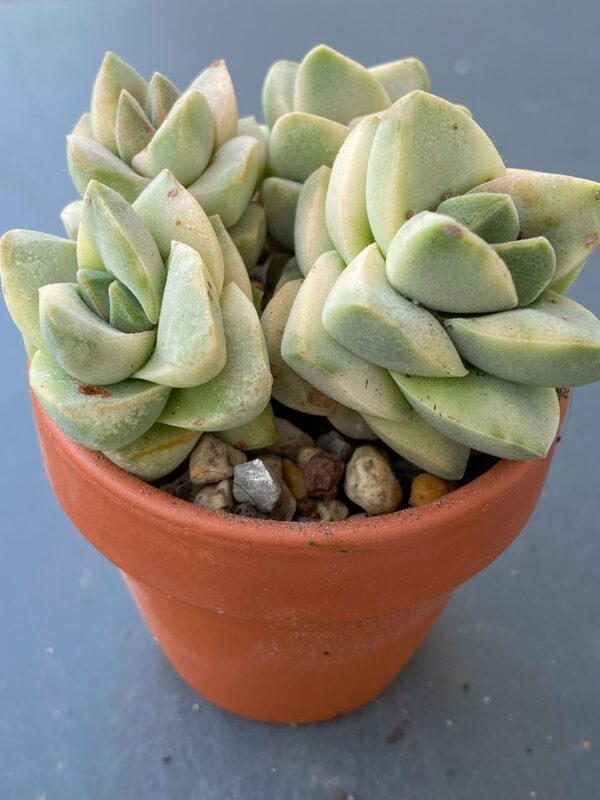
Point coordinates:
[(322, 471), (215, 496), (286, 505), (212, 460), (425, 489), (333, 442), (294, 477), (332, 510), (306, 509), (291, 439), (254, 483), (371, 483)]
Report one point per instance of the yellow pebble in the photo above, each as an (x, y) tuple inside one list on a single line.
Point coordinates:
[(425, 489), (294, 477)]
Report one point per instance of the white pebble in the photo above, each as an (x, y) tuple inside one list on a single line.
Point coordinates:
[(371, 483)]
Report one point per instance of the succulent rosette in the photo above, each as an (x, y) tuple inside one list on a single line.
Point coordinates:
[(430, 308), (136, 129), (142, 333)]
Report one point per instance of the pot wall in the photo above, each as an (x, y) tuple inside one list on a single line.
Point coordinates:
[(287, 622)]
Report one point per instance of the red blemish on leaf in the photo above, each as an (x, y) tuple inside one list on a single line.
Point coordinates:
[(92, 391), (453, 231), (217, 62), (410, 213), (177, 222), (172, 193), (591, 239), (446, 196)]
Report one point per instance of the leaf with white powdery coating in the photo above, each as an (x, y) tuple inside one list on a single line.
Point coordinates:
[(133, 128), (156, 453), (279, 198), (278, 90), (28, 261), (162, 96), (234, 269), (288, 387), (532, 263), (85, 346), (311, 236), (401, 77), (70, 216), (486, 413), (125, 245), (190, 341), (250, 233), (424, 151), (113, 76), (183, 143), (215, 84), (88, 160), (440, 263), (98, 417), (227, 185), (492, 216), (334, 86), (553, 342), (300, 143), (243, 387), (310, 351), (172, 214), (366, 315)]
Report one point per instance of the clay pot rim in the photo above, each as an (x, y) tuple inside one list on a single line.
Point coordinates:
[(238, 530)]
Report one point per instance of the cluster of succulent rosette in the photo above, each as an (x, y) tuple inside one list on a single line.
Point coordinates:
[(365, 256)]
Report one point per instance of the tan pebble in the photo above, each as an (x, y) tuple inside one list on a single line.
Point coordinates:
[(425, 489), (322, 471), (294, 477), (291, 439), (332, 510), (371, 483), (212, 460), (215, 496)]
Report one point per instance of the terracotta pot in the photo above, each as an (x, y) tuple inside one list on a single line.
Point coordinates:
[(288, 622)]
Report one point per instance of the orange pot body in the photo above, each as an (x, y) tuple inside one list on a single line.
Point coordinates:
[(287, 622)]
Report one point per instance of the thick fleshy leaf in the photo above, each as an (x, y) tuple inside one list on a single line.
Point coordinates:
[(83, 126), (98, 417), (564, 209), (83, 344), (401, 77), (288, 387), (215, 84), (353, 424), (311, 236), (331, 85), (28, 261), (248, 126), (531, 262), (133, 129), (156, 453), (563, 284), (234, 269), (124, 244), (438, 262), (486, 413), (93, 288), (183, 143), (259, 432), (278, 90), (492, 216), (114, 76), (424, 151), (300, 143), (366, 315), (290, 272), (88, 160), (162, 96), (310, 351), (423, 445), (126, 314), (172, 214), (227, 184), (279, 198), (553, 342), (70, 216), (190, 343), (346, 207), (250, 233), (242, 389)]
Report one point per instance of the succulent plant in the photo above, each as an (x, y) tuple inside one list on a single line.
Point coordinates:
[(135, 129), (143, 333), (431, 303)]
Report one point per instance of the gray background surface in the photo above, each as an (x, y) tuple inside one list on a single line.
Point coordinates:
[(502, 702)]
